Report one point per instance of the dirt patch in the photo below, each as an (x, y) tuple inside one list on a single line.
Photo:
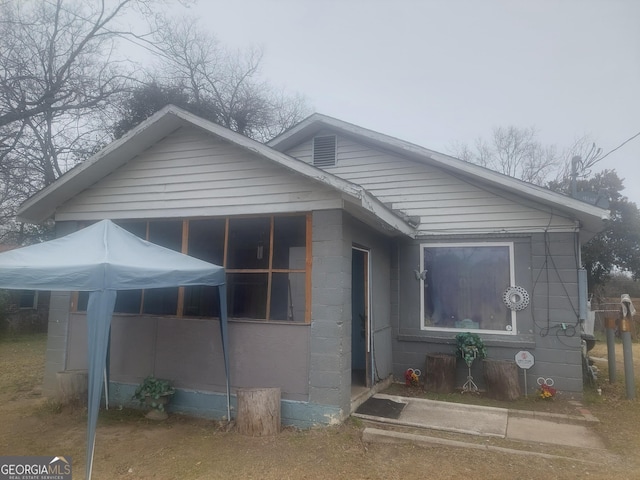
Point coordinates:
[(128, 446)]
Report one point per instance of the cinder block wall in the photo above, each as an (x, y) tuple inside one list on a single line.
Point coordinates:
[(330, 349)]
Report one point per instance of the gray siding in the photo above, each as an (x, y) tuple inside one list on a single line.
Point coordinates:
[(554, 302), (190, 173), (444, 203), (546, 266), (189, 352)]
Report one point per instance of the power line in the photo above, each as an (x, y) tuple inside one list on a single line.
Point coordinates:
[(619, 146)]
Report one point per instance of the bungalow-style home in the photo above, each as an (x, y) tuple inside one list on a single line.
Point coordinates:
[(349, 255)]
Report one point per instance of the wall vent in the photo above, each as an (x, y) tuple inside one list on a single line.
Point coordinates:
[(324, 151)]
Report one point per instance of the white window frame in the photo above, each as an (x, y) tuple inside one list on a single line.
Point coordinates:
[(509, 245)]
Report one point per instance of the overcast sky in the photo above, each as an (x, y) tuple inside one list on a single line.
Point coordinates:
[(438, 72)]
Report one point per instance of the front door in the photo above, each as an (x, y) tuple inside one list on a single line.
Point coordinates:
[(360, 318)]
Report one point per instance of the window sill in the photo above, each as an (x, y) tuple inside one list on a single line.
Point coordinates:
[(191, 317), (514, 341), (265, 322)]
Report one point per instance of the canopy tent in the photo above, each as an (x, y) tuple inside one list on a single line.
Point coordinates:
[(102, 259)]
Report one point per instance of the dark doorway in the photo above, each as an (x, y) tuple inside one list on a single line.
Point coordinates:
[(360, 353)]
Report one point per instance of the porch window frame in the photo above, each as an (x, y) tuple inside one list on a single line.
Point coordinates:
[(509, 245), (269, 271)]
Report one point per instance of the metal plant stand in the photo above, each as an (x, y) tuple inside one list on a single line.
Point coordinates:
[(470, 386)]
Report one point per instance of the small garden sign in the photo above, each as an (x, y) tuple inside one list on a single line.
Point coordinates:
[(525, 361)]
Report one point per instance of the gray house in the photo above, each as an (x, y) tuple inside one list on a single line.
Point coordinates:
[(349, 255)]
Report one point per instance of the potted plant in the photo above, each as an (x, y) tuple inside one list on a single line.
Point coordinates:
[(155, 393), (469, 347)]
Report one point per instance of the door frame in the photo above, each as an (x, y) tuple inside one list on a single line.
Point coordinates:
[(366, 291)]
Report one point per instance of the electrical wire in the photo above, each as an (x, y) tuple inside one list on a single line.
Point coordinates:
[(567, 330), (619, 146), (573, 307)]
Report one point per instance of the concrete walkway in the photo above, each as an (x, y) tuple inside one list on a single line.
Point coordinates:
[(565, 430)]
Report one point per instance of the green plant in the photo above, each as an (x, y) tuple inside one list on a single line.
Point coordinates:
[(150, 391), (470, 346)]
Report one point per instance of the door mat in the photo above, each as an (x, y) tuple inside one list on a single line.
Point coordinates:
[(381, 407)]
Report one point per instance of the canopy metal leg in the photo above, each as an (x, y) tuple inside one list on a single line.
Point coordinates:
[(222, 289)]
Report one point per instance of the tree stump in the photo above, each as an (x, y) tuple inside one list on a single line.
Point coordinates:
[(501, 379), (440, 373), (258, 411), (72, 385)]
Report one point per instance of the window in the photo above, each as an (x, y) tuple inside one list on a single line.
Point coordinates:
[(163, 301), (28, 299), (265, 258), (324, 151), (266, 268), (206, 242), (130, 301), (463, 287)]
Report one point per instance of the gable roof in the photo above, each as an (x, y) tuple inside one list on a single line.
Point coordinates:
[(590, 217), (44, 203)]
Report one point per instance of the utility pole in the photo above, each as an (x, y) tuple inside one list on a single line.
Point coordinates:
[(574, 176)]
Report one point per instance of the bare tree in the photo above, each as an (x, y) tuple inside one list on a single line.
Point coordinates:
[(59, 75), (515, 152), (518, 153), (226, 84), (63, 81)]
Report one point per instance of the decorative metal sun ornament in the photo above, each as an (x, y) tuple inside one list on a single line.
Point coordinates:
[(515, 298)]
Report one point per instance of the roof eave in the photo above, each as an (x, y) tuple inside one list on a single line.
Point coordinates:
[(589, 216), (43, 205)]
